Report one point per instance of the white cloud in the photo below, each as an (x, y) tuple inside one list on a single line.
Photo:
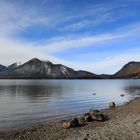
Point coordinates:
[(111, 64), (74, 42), (96, 15), (59, 44), (15, 18), (14, 51)]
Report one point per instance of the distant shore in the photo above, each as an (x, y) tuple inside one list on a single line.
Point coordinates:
[(124, 124)]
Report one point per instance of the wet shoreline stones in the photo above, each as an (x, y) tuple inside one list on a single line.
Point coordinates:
[(92, 115), (96, 115)]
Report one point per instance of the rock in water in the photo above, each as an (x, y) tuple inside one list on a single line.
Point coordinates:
[(122, 95), (112, 105)]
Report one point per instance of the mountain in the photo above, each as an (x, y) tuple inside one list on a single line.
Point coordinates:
[(36, 68), (2, 68), (14, 65), (130, 70)]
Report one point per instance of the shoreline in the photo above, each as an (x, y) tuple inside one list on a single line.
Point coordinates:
[(124, 123)]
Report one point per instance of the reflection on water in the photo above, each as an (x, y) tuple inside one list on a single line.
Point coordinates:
[(29, 101), (33, 92)]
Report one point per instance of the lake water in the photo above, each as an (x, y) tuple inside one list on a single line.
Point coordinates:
[(24, 102)]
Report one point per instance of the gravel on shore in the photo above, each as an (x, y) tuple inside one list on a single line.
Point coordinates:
[(123, 124)]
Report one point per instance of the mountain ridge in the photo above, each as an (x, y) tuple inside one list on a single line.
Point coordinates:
[(37, 69), (130, 70)]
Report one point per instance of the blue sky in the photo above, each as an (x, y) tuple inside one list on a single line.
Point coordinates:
[(94, 35)]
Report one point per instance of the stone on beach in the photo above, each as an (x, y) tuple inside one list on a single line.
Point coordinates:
[(66, 125), (93, 111), (88, 118), (72, 123), (112, 105), (96, 115), (81, 119), (92, 115), (99, 117), (85, 138)]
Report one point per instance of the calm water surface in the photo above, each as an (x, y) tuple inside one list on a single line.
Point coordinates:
[(24, 102)]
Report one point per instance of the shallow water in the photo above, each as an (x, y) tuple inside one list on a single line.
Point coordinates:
[(24, 102)]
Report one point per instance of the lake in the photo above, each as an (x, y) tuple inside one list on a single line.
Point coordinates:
[(25, 102)]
